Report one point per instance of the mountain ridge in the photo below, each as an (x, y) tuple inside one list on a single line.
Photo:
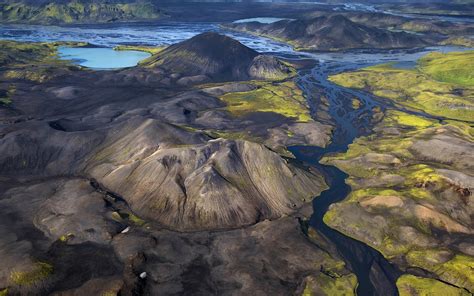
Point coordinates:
[(78, 12), (331, 33)]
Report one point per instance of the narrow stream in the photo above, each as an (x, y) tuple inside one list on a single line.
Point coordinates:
[(376, 276)]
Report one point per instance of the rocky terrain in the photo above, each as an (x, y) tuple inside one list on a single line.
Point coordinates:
[(458, 8), (142, 166), (57, 12), (177, 176), (412, 179), (331, 33), (439, 84), (219, 58), (320, 30), (433, 30)]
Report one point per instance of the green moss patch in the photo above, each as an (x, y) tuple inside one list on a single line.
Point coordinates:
[(459, 41), (456, 269), (400, 219), (77, 12), (283, 98), (410, 285), (454, 67), (441, 84), (344, 285), (149, 49), (38, 272), (33, 61)]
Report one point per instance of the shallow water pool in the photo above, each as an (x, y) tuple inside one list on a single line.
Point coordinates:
[(102, 58)]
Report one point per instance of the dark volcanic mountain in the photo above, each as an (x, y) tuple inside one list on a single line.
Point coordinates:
[(331, 33), (217, 57)]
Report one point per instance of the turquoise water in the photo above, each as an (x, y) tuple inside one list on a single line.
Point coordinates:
[(102, 58)]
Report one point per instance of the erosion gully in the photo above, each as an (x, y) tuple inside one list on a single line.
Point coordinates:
[(376, 276)]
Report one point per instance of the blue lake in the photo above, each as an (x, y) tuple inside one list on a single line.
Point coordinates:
[(102, 58)]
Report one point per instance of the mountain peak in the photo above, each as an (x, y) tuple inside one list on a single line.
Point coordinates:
[(216, 56), (217, 46)]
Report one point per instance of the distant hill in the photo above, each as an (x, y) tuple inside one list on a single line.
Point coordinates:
[(331, 33), (77, 12), (218, 57)]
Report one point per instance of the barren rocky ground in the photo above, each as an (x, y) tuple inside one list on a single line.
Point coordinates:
[(109, 175)]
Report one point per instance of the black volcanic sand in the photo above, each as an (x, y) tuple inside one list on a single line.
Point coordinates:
[(106, 175)]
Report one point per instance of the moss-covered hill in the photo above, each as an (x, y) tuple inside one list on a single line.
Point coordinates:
[(34, 61), (412, 179), (77, 12), (440, 84)]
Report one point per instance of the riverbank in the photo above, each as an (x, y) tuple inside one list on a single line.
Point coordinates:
[(413, 175)]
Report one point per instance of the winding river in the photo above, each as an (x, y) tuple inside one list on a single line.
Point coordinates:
[(375, 274)]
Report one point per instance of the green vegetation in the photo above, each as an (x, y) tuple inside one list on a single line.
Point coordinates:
[(32, 61), (136, 220), (344, 285), (116, 217), (397, 118), (149, 49), (323, 284), (6, 95), (66, 237), (407, 197), (442, 8), (456, 270), (77, 12), (414, 26), (455, 67), (127, 217), (333, 278), (4, 292), (284, 98), (39, 272), (459, 41), (442, 84), (355, 103), (365, 156), (13, 53), (410, 285), (26, 61)]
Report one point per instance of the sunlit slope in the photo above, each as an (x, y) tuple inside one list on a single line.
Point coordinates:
[(440, 84), (77, 12), (411, 197), (455, 68), (413, 175)]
